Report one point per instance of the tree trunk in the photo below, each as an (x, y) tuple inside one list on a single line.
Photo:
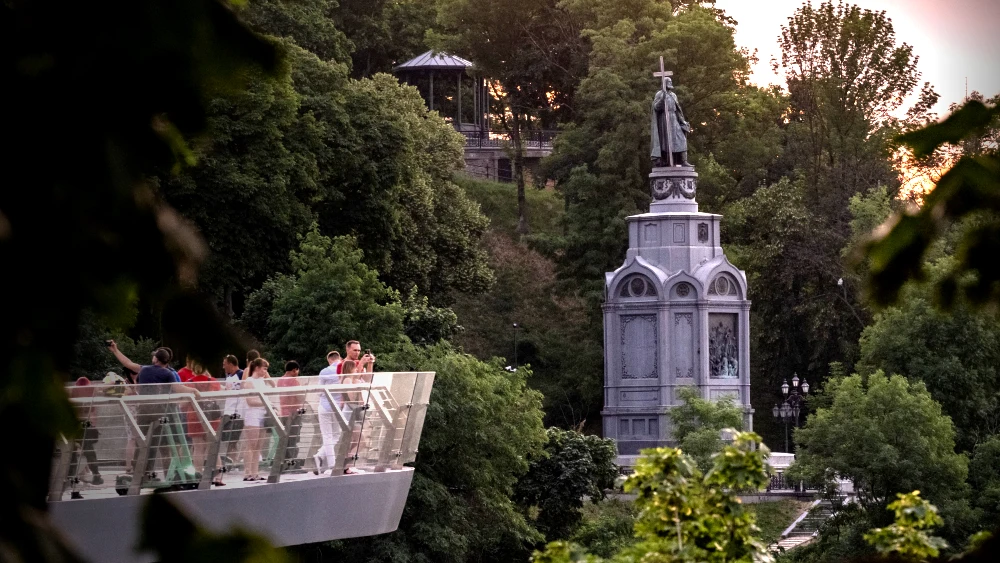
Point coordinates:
[(227, 302), (518, 166)]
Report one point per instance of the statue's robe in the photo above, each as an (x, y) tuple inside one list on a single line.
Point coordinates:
[(677, 128)]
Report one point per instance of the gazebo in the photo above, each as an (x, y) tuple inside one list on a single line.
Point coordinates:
[(421, 71)]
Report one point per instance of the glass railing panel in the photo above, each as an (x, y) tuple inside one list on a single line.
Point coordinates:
[(393, 393), (419, 400)]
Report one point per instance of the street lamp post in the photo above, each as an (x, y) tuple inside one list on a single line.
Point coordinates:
[(843, 287), (791, 404), (515, 345)]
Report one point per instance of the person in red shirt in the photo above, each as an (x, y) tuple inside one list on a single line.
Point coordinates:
[(290, 405), (201, 380), (186, 373), (364, 363)]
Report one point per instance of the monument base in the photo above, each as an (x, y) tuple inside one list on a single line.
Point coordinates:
[(673, 189)]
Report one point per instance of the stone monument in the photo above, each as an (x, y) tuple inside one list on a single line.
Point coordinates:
[(676, 312)]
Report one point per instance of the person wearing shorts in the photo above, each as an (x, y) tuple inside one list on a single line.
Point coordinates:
[(254, 432)]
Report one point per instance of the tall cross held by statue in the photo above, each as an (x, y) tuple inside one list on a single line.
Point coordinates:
[(662, 75)]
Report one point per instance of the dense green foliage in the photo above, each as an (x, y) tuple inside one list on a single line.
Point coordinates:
[(572, 467), (909, 535), (330, 298), (247, 195), (774, 240), (956, 354), (697, 424), (96, 105), (607, 527), (322, 190), (556, 337), (482, 426), (686, 515), (362, 157), (887, 436), (984, 479)]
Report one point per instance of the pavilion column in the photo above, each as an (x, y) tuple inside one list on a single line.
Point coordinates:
[(458, 118), (432, 90)]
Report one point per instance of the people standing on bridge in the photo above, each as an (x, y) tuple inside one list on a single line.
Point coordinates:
[(251, 356), (290, 406), (361, 365), (154, 379), (203, 381), (253, 429), (233, 428), (86, 413), (367, 362), (351, 374), (328, 425)]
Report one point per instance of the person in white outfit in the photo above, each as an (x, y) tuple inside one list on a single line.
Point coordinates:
[(326, 458), (253, 420)]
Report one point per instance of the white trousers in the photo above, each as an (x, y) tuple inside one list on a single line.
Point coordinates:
[(332, 433)]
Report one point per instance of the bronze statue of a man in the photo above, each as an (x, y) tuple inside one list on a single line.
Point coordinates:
[(668, 128)]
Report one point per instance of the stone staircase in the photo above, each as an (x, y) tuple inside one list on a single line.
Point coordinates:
[(805, 527)]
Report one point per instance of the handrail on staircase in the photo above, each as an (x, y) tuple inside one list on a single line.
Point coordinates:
[(798, 520)]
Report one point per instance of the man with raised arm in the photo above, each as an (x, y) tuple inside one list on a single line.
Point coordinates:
[(154, 379)]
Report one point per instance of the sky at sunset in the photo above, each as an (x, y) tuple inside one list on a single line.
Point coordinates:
[(954, 39)]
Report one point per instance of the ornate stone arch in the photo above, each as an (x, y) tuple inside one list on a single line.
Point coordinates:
[(724, 284), (682, 286), (722, 280), (636, 286), (636, 279)]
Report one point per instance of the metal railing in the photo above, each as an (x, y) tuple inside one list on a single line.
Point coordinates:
[(136, 438), (534, 139)]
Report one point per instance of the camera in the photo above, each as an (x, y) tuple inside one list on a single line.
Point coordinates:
[(107, 343), (368, 351)]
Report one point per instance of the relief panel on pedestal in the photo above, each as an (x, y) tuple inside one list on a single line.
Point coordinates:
[(683, 345), (638, 346), (723, 346)]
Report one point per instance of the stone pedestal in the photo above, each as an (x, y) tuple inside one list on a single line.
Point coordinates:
[(673, 190), (676, 314)]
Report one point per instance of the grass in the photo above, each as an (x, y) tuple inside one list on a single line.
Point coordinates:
[(606, 528), (774, 517), (498, 201)]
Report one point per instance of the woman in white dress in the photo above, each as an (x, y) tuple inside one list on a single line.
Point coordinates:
[(253, 420)]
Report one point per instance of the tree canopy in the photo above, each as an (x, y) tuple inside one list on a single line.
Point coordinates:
[(886, 435), (572, 467), (331, 297), (697, 424), (482, 426), (956, 354)]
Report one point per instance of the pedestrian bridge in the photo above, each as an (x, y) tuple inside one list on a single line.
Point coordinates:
[(140, 439)]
